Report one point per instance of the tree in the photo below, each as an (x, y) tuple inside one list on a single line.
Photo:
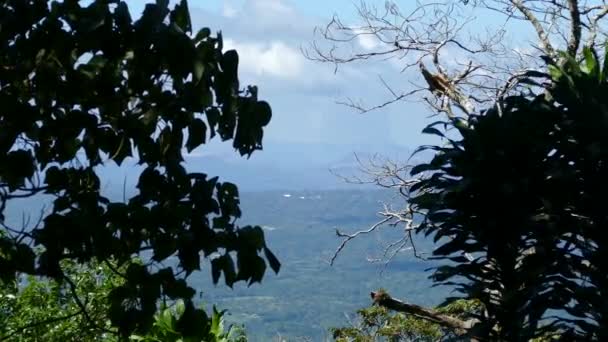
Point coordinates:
[(377, 322), (34, 309), (515, 203), (476, 60), (37, 309), (166, 328), (83, 86), (467, 65)]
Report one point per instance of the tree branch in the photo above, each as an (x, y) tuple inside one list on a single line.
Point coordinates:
[(349, 237), (460, 327), (575, 27), (593, 25), (39, 323), (540, 31)]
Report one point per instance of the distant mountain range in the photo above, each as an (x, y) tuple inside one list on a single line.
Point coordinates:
[(295, 166), (280, 166)]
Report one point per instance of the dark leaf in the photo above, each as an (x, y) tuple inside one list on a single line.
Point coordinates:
[(196, 134), (180, 16), (274, 263)]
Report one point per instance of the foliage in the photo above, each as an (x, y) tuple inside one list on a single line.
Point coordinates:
[(514, 195), (295, 304), (167, 321), (517, 207), (82, 86), (35, 309), (379, 324), (580, 166), (44, 309)]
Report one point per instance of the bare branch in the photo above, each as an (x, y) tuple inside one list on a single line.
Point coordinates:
[(540, 31), (459, 326), (594, 25), (575, 25), (349, 237), (387, 174), (430, 31), (40, 323), (83, 305)]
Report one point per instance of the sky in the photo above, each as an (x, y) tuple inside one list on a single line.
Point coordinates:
[(309, 132), (269, 35)]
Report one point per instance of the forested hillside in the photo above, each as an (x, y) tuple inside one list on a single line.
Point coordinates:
[(310, 296)]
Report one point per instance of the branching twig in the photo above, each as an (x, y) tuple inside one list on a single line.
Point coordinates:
[(40, 323), (349, 237)]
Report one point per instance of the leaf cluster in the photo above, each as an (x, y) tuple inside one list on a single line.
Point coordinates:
[(517, 207), (86, 85)]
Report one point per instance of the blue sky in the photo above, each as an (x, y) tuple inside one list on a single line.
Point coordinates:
[(268, 35), (309, 132)]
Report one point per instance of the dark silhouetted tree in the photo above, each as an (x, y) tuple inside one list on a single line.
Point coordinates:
[(86, 85), (514, 198)]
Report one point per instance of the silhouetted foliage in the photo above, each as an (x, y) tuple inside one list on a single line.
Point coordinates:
[(84, 86), (516, 202)]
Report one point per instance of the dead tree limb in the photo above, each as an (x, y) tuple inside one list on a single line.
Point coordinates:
[(459, 326)]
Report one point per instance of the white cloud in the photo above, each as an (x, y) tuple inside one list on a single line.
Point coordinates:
[(272, 7), (267, 35), (367, 40), (228, 11), (275, 59)]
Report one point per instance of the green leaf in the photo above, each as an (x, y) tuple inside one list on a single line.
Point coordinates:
[(123, 17), (426, 200), (213, 116), (253, 237), (590, 66), (263, 112), (189, 259), (147, 81), (98, 62), (604, 73), (216, 269), (162, 3), (26, 258), (555, 72)]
